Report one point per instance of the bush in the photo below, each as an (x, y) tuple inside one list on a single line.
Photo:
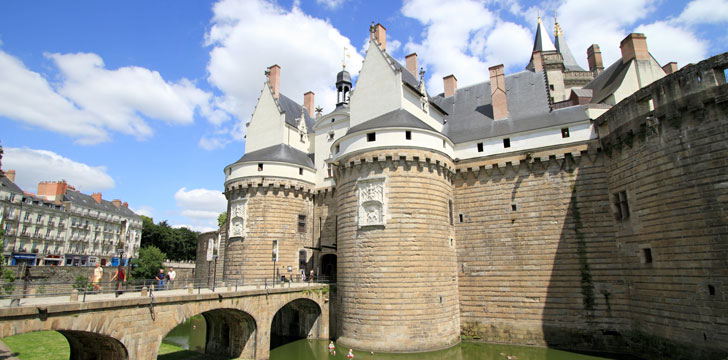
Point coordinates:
[(82, 283), (9, 277)]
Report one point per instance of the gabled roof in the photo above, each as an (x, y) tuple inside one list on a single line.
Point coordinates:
[(608, 81), (471, 110), (9, 186), (278, 153), (396, 118), (293, 112), (88, 201), (411, 80)]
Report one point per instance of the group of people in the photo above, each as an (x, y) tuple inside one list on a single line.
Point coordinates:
[(119, 276), (165, 281), (350, 355)]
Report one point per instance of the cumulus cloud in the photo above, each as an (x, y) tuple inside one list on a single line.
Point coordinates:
[(33, 166), (662, 37), (465, 45), (147, 211), (89, 102), (705, 12), (331, 4), (201, 207), (248, 36)]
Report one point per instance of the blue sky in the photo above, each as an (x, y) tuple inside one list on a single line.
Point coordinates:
[(146, 101)]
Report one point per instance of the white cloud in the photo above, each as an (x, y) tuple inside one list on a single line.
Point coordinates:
[(331, 4), (147, 211), (705, 12), (195, 227), (200, 207), (91, 101), (248, 36), (465, 45), (662, 37), (33, 166)]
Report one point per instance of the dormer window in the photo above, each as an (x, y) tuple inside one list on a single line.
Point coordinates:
[(331, 135)]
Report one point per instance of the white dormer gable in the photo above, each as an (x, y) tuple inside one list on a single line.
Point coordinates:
[(378, 89), (267, 126)]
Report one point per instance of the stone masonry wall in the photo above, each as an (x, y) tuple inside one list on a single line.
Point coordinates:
[(273, 208), (536, 257), (325, 225), (668, 152), (397, 283)]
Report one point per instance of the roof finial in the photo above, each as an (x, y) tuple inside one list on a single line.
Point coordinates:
[(372, 29), (539, 15), (557, 28), (343, 60)]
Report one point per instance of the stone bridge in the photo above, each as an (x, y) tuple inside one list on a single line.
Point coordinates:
[(239, 323)]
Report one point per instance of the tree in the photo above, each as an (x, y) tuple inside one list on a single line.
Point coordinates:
[(177, 243), (149, 262), (222, 219)]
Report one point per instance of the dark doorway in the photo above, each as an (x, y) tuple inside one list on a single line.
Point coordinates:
[(328, 267)]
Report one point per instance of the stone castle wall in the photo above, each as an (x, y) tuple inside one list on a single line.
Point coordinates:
[(536, 256), (668, 151), (397, 281), (273, 209)]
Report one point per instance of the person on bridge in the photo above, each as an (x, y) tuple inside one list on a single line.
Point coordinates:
[(171, 274), (98, 273), (120, 277), (160, 280)]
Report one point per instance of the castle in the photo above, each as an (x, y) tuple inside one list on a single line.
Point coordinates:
[(554, 206)]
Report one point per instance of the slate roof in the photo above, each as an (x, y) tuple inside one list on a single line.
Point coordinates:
[(471, 110), (10, 186), (608, 81), (279, 153), (293, 112), (569, 61), (396, 118), (88, 201)]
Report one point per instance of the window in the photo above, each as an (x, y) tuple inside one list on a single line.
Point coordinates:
[(461, 217), (302, 259), (711, 290), (301, 223), (408, 135), (260, 166), (329, 169), (506, 142), (514, 207), (331, 135), (565, 132), (647, 255), (480, 147), (338, 148), (300, 171), (621, 205), (551, 87), (230, 170), (371, 137)]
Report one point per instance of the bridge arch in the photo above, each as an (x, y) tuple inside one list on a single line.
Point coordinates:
[(297, 319), (89, 346)]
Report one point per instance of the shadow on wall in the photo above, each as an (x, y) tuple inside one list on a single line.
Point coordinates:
[(299, 319)]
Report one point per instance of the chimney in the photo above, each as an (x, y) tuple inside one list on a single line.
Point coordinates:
[(498, 92), (380, 35), (451, 84), (10, 174), (97, 197), (116, 203), (634, 46), (670, 67), (537, 61), (125, 204), (411, 61), (308, 102), (594, 57), (274, 79)]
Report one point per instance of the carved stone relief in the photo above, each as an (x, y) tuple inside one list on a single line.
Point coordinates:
[(238, 209), (371, 201)]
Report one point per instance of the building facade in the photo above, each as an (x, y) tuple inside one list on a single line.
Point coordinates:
[(554, 206), (63, 227)]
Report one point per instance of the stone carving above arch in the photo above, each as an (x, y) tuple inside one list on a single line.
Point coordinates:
[(238, 211), (372, 202)]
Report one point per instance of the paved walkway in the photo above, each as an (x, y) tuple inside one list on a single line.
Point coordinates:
[(65, 299)]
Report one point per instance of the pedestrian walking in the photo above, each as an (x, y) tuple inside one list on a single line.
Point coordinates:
[(310, 276), (119, 277), (98, 274), (171, 275), (160, 280)]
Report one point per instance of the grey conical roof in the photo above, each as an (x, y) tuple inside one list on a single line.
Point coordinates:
[(561, 46)]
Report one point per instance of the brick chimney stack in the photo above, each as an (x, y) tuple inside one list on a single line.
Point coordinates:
[(411, 61), (380, 35), (498, 92), (634, 46), (125, 204), (274, 79), (97, 197), (116, 203), (451, 84), (308, 102), (594, 57), (10, 174), (670, 67)]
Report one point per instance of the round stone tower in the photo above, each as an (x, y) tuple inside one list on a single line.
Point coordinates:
[(397, 267)]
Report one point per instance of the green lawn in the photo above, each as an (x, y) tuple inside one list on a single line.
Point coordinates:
[(41, 345)]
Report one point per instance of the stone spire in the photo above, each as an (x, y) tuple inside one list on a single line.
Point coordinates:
[(541, 43)]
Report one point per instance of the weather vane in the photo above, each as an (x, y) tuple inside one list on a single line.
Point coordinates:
[(343, 60)]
